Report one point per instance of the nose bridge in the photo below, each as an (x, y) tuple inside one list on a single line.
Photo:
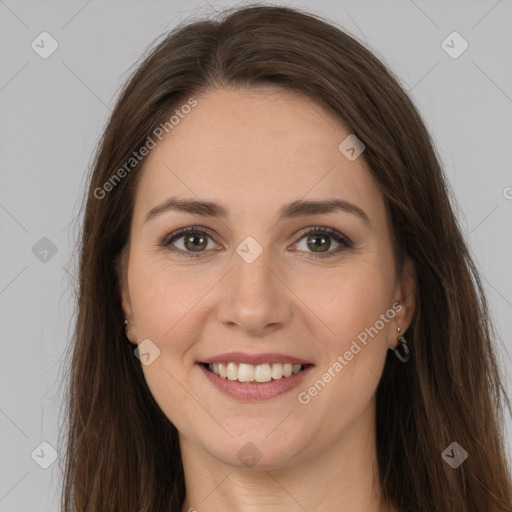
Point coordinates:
[(251, 266), (255, 295)]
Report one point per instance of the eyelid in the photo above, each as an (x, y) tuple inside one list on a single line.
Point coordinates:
[(175, 235), (340, 238)]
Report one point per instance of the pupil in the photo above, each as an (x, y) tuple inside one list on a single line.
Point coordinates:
[(324, 242)]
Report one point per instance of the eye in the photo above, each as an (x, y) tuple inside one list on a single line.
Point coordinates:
[(318, 238), (194, 241)]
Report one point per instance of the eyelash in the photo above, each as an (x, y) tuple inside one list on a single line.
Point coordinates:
[(321, 230)]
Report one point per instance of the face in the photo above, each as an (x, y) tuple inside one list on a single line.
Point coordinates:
[(311, 285)]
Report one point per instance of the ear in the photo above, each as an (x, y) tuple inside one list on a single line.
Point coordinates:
[(124, 292), (404, 300)]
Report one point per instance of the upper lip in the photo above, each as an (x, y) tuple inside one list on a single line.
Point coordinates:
[(254, 359)]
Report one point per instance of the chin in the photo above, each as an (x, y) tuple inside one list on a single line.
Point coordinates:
[(255, 451)]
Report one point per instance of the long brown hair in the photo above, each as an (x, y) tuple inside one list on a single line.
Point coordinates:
[(122, 452)]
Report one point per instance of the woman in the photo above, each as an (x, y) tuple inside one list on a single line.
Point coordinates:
[(277, 308)]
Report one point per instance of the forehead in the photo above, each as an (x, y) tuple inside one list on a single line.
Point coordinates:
[(256, 149)]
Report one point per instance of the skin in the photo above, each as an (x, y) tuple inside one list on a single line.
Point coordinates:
[(253, 151)]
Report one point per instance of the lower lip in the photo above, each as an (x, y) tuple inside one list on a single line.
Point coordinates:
[(255, 391)]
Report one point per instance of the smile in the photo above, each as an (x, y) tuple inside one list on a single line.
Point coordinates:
[(240, 381), (255, 373)]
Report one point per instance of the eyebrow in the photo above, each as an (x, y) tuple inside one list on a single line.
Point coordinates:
[(292, 210)]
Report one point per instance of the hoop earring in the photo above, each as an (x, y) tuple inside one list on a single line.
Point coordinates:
[(402, 347)]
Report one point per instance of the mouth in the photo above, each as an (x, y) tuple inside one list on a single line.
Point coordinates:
[(253, 374), (254, 383)]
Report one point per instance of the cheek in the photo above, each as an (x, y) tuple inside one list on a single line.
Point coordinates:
[(349, 300), (163, 300), (354, 347)]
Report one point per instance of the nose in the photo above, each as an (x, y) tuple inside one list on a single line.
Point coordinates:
[(255, 297)]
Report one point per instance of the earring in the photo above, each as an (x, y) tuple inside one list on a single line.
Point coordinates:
[(402, 347), (128, 332)]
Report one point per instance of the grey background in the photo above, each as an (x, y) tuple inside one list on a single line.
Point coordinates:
[(52, 114)]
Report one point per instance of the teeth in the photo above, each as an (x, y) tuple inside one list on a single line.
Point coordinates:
[(262, 373), (245, 372), (250, 373), (232, 371), (277, 370)]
